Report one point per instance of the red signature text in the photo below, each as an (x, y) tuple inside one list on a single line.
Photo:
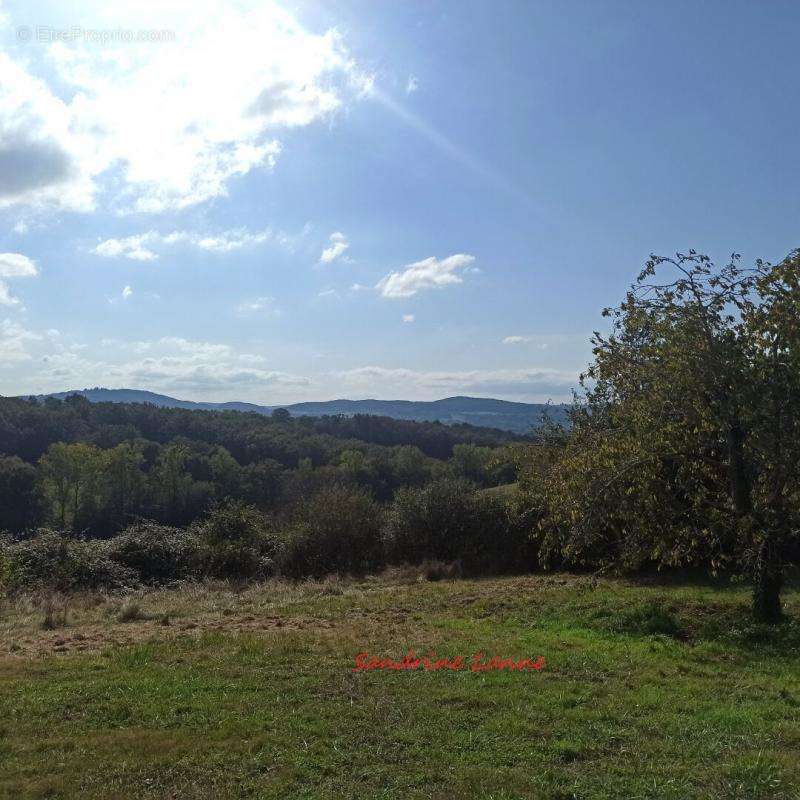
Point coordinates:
[(430, 663)]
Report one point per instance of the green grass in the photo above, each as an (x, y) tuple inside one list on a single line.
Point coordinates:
[(650, 691)]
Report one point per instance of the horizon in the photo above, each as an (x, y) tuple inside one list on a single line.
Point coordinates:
[(69, 392), (349, 200)]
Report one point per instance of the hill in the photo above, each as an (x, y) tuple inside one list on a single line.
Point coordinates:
[(479, 411)]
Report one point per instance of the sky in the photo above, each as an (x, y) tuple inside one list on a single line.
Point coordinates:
[(370, 198)]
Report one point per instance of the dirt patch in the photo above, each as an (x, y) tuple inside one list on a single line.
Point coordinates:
[(95, 637)]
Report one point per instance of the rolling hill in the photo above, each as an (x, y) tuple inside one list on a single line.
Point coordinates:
[(484, 412)]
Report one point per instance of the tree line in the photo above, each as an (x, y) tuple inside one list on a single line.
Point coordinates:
[(92, 469)]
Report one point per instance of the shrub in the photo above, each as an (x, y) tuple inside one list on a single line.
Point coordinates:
[(157, 553), (449, 521), (54, 562), (336, 530), (131, 611), (237, 541)]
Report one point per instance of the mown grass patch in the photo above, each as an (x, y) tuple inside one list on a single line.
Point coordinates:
[(632, 704)]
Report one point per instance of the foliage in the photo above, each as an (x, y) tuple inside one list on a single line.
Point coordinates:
[(336, 530), (101, 466), (448, 520), (156, 553), (685, 448), (19, 499), (51, 561), (236, 541)]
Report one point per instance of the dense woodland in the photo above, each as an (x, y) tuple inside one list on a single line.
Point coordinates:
[(682, 450), (93, 468)]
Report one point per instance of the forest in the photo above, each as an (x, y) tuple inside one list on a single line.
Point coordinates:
[(681, 452)]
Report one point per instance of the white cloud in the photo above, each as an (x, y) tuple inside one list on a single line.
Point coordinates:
[(264, 305), (38, 146), (173, 365), (130, 247), (13, 339), (45, 361), (408, 317), (431, 273), (232, 240), (338, 246), (516, 339), (545, 341), (143, 246), (167, 124), (20, 227), (14, 265), (6, 298), (412, 85), (127, 292)]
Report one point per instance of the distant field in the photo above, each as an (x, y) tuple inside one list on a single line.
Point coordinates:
[(651, 690)]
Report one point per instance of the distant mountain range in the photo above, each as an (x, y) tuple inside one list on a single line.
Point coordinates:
[(484, 412)]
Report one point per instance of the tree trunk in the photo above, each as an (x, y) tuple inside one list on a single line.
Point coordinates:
[(768, 576), (767, 583), (739, 479)]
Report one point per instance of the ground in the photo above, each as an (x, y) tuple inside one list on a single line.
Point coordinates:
[(651, 689)]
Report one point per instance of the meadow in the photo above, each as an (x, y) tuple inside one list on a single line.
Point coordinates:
[(654, 688)]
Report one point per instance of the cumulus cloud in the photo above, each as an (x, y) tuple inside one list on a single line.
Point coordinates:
[(143, 246), (167, 124), (14, 265), (132, 247), (431, 273), (13, 342), (338, 247), (173, 365), (38, 148)]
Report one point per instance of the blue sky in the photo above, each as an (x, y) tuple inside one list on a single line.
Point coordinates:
[(414, 200)]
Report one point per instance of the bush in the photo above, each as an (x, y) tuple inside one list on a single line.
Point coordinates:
[(336, 530), (157, 553), (237, 541), (449, 521), (52, 561)]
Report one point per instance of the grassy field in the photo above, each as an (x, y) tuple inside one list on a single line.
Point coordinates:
[(651, 690)]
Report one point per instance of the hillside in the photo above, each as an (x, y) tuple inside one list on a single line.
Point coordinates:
[(483, 412)]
